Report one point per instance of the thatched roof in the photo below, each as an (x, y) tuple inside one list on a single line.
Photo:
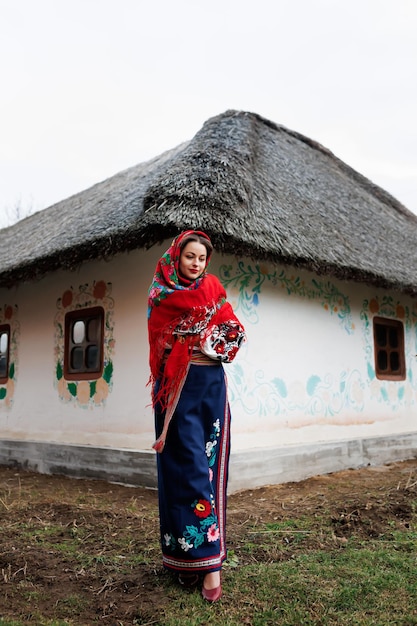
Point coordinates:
[(258, 189)]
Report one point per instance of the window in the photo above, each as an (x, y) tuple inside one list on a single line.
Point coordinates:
[(4, 352), (83, 358), (389, 349)]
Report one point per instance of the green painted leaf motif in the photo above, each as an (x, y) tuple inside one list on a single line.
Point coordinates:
[(280, 386), (3, 392), (59, 371), (93, 386), (311, 385), (72, 388), (239, 369), (238, 374), (108, 372), (11, 370), (371, 372)]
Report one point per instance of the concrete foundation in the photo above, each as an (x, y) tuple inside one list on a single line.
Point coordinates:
[(248, 469)]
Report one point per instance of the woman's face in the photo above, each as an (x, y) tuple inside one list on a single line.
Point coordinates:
[(193, 260)]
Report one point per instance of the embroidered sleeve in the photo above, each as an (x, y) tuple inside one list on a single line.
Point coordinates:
[(221, 342)]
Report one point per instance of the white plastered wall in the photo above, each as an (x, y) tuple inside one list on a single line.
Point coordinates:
[(303, 377)]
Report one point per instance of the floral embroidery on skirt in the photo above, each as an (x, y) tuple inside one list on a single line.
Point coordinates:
[(192, 473)]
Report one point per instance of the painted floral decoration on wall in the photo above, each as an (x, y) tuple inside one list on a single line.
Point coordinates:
[(249, 280), (9, 315), (296, 403), (392, 393), (84, 392)]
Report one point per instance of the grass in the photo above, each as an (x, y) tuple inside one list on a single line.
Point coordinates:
[(334, 565), (349, 586), (354, 585)]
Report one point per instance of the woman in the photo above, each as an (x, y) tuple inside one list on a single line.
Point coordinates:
[(192, 330)]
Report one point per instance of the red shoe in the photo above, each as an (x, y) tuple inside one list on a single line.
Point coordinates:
[(212, 595)]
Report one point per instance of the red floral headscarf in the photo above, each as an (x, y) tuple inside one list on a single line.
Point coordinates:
[(166, 278)]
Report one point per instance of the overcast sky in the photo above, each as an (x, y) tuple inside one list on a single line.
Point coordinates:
[(91, 87)]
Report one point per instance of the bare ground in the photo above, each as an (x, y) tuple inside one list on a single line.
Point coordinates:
[(87, 551)]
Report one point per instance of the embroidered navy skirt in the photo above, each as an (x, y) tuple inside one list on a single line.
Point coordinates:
[(193, 472)]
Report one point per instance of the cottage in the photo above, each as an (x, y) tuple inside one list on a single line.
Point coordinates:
[(319, 263)]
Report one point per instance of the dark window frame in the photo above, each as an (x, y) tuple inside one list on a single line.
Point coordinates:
[(5, 328), (391, 350), (83, 372)]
